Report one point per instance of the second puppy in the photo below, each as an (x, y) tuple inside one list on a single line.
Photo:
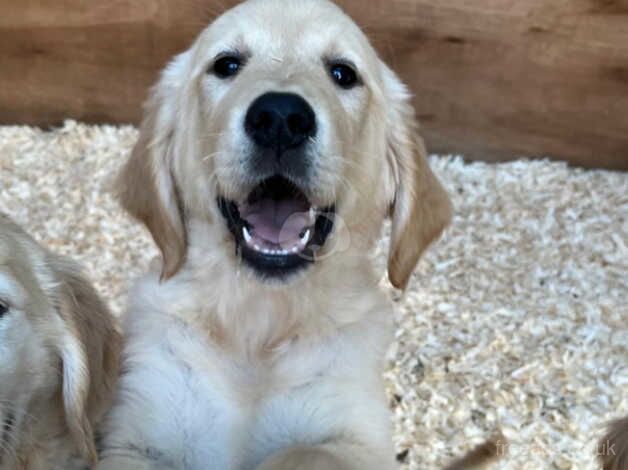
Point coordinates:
[(59, 349)]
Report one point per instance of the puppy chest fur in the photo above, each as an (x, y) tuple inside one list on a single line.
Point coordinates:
[(188, 401)]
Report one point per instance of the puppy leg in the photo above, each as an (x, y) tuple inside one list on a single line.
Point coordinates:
[(325, 457)]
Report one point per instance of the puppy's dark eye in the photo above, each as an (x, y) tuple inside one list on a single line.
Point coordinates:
[(227, 66), (343, 75), (4, 308)]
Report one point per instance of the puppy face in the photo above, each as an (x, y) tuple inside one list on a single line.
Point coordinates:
[(279, 123), (58, 347), (26, 367), (288, 111)]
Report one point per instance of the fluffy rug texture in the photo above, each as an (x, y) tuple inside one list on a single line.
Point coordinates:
[(515, 324)]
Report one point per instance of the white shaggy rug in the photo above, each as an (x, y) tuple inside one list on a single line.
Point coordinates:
[(516, 322)]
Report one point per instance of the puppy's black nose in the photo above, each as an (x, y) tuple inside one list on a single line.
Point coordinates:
[(280, 121)]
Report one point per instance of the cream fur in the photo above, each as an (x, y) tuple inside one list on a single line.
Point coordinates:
[(59, 351), (223, 370)]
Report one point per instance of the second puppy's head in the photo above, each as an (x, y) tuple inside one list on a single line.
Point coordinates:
[(58, 350)]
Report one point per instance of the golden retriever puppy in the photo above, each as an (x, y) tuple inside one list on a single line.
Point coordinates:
[(59, 352), (270, 154)]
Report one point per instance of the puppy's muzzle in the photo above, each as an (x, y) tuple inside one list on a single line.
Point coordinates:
[(276, 227), (280, 125)]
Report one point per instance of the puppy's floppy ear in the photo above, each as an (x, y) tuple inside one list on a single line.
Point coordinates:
[(613, 447), (420, 208), (89, 346), (146, 186)]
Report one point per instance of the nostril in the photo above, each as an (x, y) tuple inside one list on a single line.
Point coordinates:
[(263, 121), (299, 124)]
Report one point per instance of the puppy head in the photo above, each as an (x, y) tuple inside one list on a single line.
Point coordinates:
[(278, 125), (58, 345)]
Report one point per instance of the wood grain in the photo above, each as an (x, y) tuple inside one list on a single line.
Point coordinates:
[(493, 79)]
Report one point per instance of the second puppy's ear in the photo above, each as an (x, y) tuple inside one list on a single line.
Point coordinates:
[(147, 188), (89, 346)]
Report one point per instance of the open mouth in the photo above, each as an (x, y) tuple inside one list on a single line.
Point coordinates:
[(276, 229)]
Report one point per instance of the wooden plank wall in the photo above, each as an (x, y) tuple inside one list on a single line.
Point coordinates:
[(494, 79)]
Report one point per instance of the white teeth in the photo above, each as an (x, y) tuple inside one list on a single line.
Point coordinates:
[(246, 235), (280, 251), (269, 251), (306, 237)]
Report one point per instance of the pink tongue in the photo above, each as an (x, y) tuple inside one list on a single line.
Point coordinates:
[(279, 222)]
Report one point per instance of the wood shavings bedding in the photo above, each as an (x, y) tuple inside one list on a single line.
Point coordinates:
[(515, 322)]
